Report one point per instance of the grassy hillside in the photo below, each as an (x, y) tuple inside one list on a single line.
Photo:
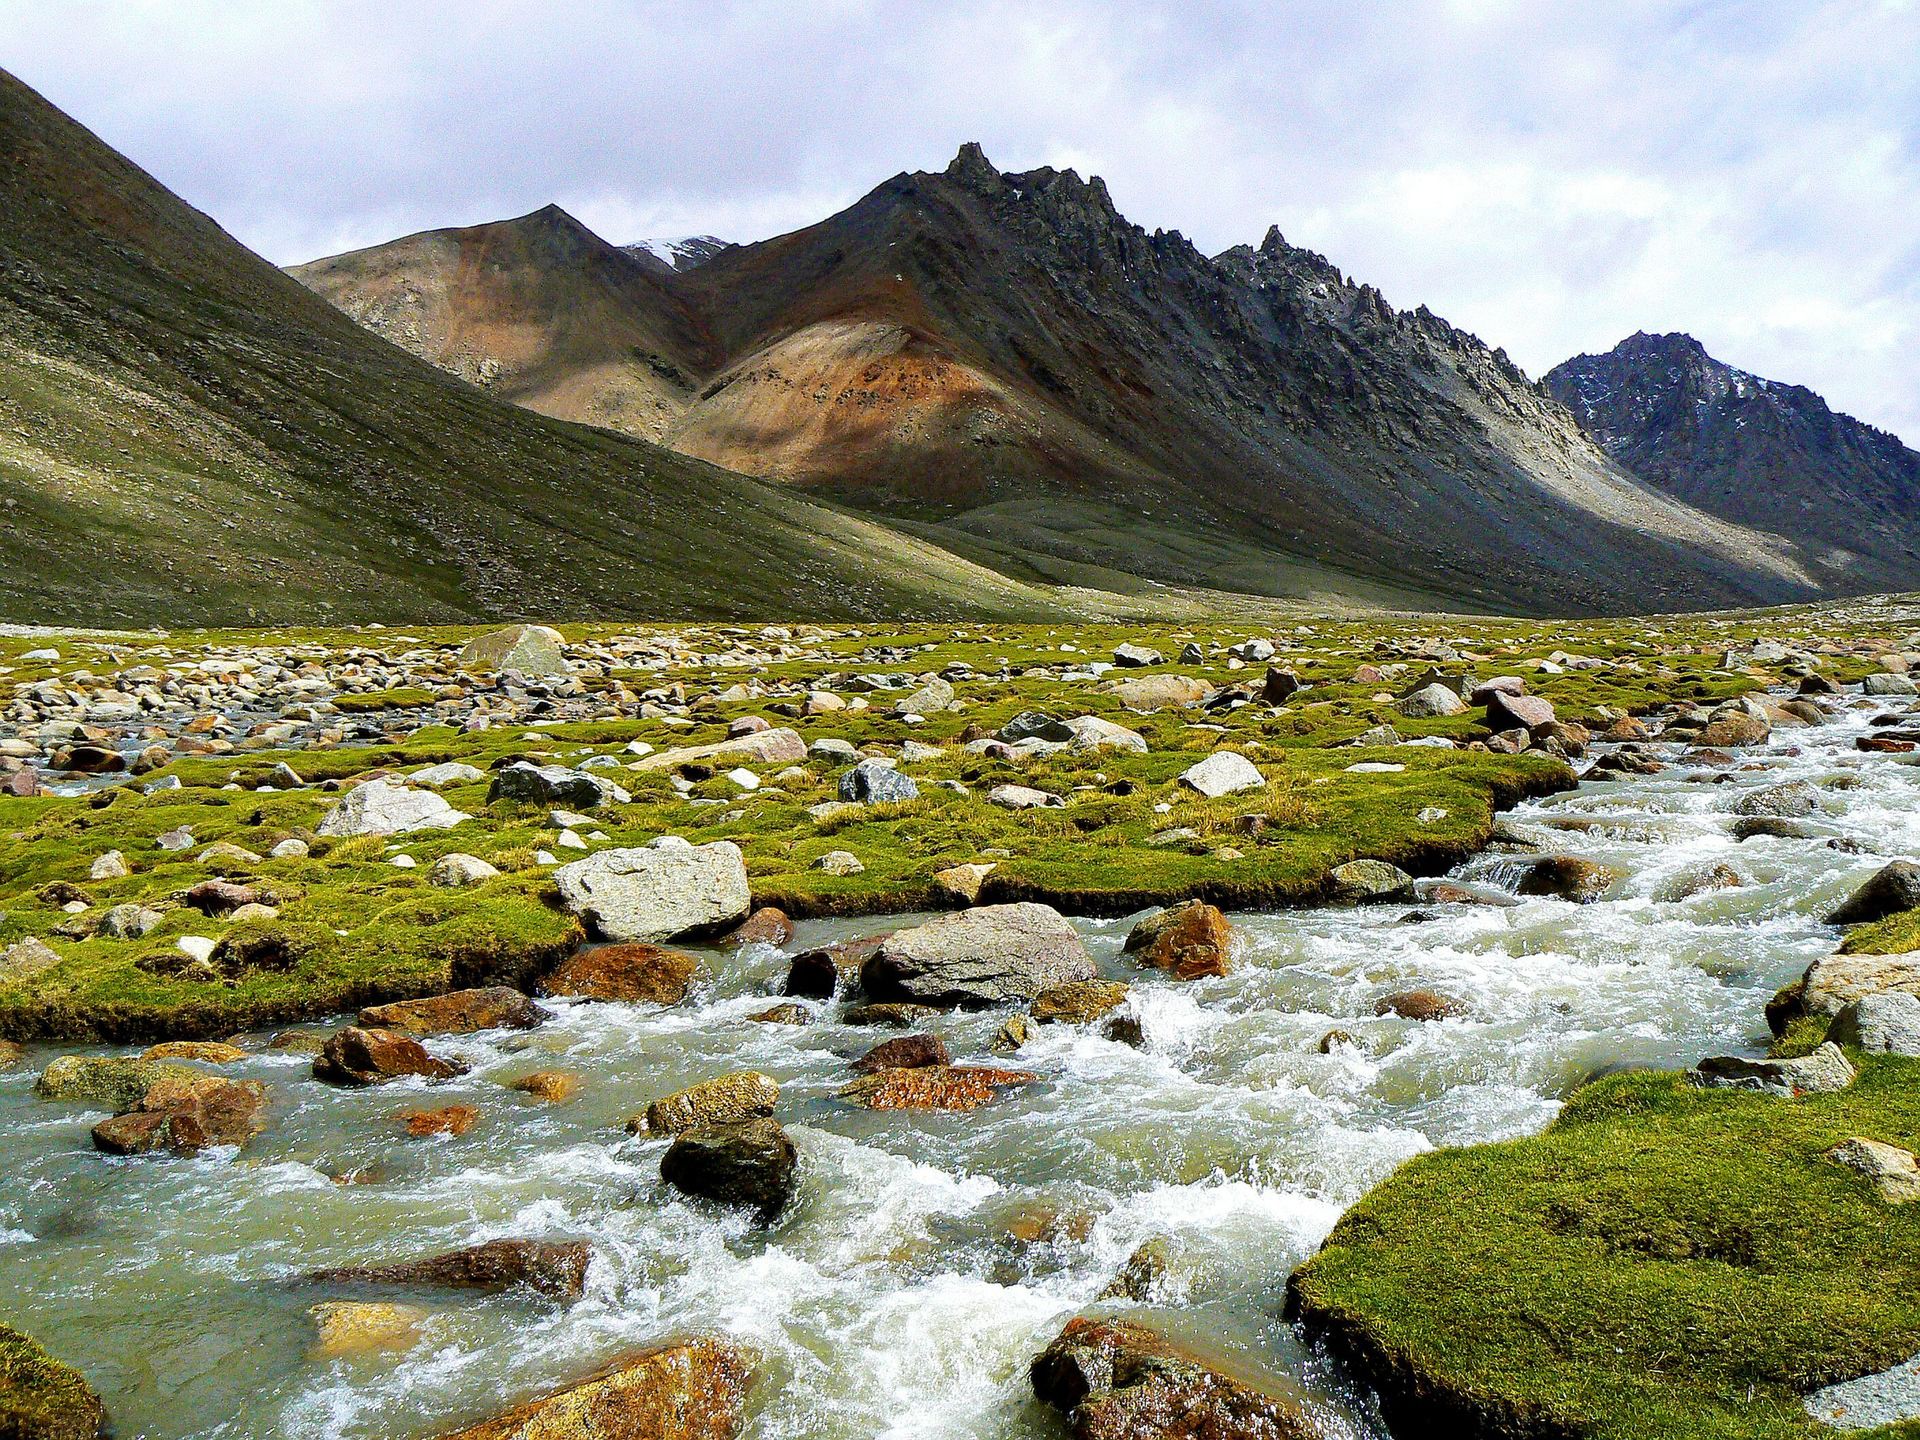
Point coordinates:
[(188, 435)]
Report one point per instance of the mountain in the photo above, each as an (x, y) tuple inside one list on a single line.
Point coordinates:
[(1004, 362), (667, 256), (187, 435), (1757, 452)]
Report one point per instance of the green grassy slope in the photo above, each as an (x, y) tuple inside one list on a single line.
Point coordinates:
[(187, 435)]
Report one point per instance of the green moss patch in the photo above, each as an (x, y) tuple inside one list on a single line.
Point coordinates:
[(41, 1399), (1663, 1261)]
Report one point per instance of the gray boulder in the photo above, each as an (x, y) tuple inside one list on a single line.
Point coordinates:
[(931, 698), (658, 893), (1137, 655), (530, 649), (1222, 773), (1893, 888), (380, 808), (992, 955), (872, 782), (1431, 702), (1887, 685), (1824, 1070), (1032, 725), (554, 785), (1886, 1024), (1364, 880), (1793, 801)]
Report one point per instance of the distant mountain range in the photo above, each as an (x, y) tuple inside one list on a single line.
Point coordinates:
[(1004, 362), (957, 396), (189, 436), (1755, 452)]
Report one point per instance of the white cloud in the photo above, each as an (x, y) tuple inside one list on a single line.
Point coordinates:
[(1549, 174)]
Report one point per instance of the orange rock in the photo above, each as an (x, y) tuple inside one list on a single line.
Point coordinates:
[(934, 1087), (1187, 941), (694, 1390), (630, 972), (450, 1120), (556, 1087)]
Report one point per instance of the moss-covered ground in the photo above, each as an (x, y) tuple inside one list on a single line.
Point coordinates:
[(1663, 1261), (41, 1399), (354, 928)]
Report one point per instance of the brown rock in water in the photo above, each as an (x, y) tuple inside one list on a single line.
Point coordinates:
[(555, 1087), (449, 1120), (745, 1095), (1419, 1005), (551, 1267), (1142, 1273), (11, 1054), (768, 925), (357, 1056), (1080, 1002), (691, 1390), (1119, 1380), (750, 1164), (818, 973), (1567, 878), (353, 1327), (934, 1087), (495, 1007), (184, 1116), (899, 1015), (207, 1052), (1893, 888), (787, 1014), (1188, 940), (909, 1052), (634, 973)]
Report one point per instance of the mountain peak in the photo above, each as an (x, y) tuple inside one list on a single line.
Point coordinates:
[(972, 168)]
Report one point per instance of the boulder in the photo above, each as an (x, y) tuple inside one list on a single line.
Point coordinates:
[(447, 1120), (1078, 1002), (458, 871), (26, 960), (355, 1327), (553, 1087), (1022, 797), (1517, 712), (658, 893), (1886, 1023), (768, 925), (724, 1100), (1360, 881), (1834, 982), (1149, 693), (788, 1013), (908, 1052), (116, 1082), (1565, 877), (357, 1056), (1508, 685), (1732, 729), (820, 972), (1279, 686), (461, 1012), (1225, 772), (548, 1267), (1887, 685), (934, 1087), (631, 973), (898, 1015), (1131, 656), (874, 782), (129, 922), (42, 1399), (1091, 734), (933, 696), (991, 955), (750, 1164), (380, 808), (962, 882), (449, 772), (1893, 888), (184, 1116), (1420, 1005), (532, 650), (1142, 1274), (1825, 1070), (840, 862), (1431, 702), (1120, 1380), (551, 785), (1793, 801), (1895, 1173), (690, 1390), (1188, 941), (207, 1052), (1033, 725)]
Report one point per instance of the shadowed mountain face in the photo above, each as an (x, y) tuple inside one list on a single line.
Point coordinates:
[(1005, 362), (1754, 451), (187, 435)]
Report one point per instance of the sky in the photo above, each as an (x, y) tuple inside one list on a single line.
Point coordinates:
[(1551, 176)]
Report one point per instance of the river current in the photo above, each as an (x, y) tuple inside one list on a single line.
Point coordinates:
[(931, 1256)]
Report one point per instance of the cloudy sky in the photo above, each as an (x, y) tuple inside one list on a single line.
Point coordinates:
[(1549, 175)]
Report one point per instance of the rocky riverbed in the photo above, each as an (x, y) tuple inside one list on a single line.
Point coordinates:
[(1150, 1124)]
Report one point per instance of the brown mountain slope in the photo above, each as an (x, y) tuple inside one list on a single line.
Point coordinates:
[(188, 435), (1005, 358)]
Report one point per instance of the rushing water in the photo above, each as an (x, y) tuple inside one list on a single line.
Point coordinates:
[(931, 1256)]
